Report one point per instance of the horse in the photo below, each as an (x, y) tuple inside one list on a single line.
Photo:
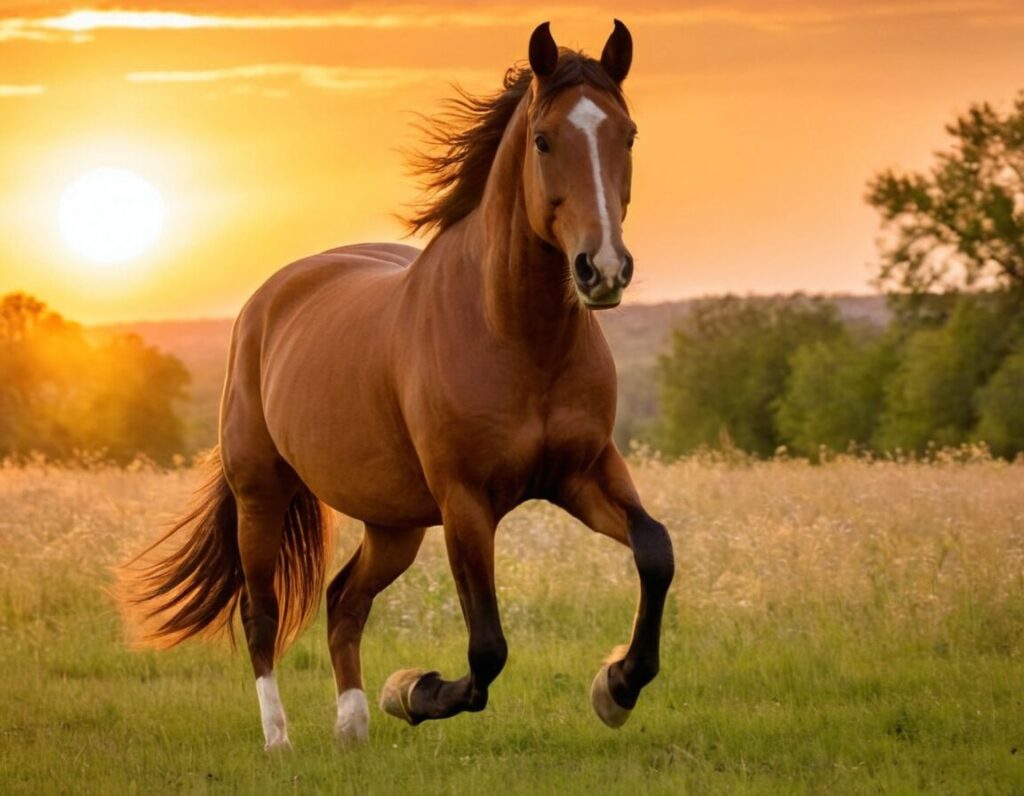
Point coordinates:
[(409, 389)]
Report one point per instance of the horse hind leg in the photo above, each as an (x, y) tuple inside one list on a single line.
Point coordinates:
[(383, 555), (260, 528), (282, 548)]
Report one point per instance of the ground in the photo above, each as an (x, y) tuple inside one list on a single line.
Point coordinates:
[(854, 627)]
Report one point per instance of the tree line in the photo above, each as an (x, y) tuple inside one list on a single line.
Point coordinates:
[(762, 374), (947, 370), (65, 393)]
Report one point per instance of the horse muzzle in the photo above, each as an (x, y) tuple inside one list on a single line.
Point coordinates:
[(600, 286)]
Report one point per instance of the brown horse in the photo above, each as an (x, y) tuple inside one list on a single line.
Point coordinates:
[(409, 389)]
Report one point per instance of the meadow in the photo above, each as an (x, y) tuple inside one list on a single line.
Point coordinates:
[(853, 627)]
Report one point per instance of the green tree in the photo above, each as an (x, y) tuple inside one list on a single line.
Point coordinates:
[(961, 225), (729, 363), (835, 392), (999, 407), (931, 395)]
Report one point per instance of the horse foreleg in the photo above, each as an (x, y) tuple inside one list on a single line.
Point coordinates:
[(383, 555), (416, 695), (606, 501)]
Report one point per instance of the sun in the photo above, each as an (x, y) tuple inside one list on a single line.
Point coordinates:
[(111, 215)]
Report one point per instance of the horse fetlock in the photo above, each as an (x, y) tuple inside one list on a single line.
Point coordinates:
[(487, 660), (635, 674), (477, 700), (353, 723), (275, 724)]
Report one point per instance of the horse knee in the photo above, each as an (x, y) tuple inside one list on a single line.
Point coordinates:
[(652, 551), (640, 671)]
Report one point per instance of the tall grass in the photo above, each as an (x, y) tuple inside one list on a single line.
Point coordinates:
[(855, 626)]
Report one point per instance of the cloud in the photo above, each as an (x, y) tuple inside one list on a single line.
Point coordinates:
[(79, 25), (328, 78), (28, 90)]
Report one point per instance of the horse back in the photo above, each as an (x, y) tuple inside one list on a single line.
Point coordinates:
[(311, 365)]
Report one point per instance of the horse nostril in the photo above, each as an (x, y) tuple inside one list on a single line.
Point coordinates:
[(586, 274), (626, 274)]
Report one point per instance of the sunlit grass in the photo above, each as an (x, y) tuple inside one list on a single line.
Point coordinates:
[(852, 627)]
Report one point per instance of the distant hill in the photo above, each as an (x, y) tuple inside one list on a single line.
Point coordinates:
[(637, 334)]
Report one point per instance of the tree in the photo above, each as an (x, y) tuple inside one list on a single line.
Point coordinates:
[(998, 403), (132, 407), (835, 392), (61, 393), (960, 226), (729, 363), (42, 357), (931, 395)]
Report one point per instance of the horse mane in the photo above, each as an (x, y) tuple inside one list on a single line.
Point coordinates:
[(464, 138)]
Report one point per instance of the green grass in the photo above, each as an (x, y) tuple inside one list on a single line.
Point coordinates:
[(823, 637)]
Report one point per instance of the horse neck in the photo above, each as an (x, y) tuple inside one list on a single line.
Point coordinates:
[(526, 294)]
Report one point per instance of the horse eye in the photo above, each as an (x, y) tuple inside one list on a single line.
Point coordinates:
[(629, 142), (542, 144)]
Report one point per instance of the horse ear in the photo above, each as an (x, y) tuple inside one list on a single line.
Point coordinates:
[(618, 53), (543, 51)]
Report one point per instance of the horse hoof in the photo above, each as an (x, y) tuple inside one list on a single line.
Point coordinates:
[(396, 695), (353, 724), (605, 706), (277, 742)]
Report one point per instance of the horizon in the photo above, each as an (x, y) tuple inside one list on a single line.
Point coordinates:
[(626, 305), (274, 134)]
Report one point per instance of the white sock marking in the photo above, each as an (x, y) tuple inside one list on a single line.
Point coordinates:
[(275, 725), (353, 722), (587, 117)]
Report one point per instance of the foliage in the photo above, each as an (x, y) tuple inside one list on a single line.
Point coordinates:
[(728, 363), (758, 375), (931, 395), (999, 406), (62, 393), (835, 394), (960, 226)]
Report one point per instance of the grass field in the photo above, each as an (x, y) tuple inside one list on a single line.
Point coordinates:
[(856, 627)]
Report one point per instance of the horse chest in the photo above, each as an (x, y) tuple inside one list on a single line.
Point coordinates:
[(508, 425), (530, 457)]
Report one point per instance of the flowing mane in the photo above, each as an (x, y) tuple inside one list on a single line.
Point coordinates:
[(464, 138)]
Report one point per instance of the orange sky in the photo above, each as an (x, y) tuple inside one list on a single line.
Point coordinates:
[(273, 130)]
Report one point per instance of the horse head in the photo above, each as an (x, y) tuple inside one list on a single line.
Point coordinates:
[(578, 163)]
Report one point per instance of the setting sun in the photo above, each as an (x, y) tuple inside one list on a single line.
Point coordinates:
[(111, 215)]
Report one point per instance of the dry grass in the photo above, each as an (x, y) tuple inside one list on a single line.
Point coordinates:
[(842, 573)]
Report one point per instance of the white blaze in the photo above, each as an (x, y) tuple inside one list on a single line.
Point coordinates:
[(587, 117), (275, 725)]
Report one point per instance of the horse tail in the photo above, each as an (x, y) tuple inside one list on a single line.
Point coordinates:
[(196, 588)]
